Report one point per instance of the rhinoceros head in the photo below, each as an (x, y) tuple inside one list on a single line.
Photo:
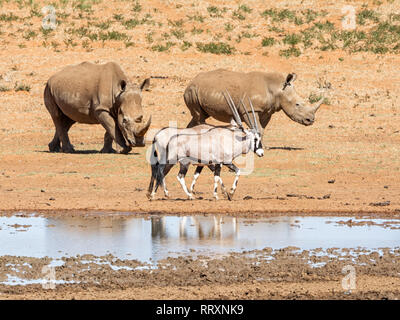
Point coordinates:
[(294, 106), (130, 114)]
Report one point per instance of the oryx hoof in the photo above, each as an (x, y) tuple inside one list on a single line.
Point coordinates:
[(216, 197), (166, 194), (191, 197), (150, 196), (228, 196)]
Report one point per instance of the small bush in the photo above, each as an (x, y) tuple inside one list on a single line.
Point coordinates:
[(216, 48), (131, 23), (186, 45), (118, 17), (268, 42), (113, 35), (178, 33), (292, 51), (196, 30), (228, 27), (30, 34), (8, 17), (214, 12), (22, 87), (292, 39), (161, 48), (313, 98), (365, 15), (137, 7)]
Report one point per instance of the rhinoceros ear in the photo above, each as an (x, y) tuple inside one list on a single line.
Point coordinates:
[(145, 85), (291, 77)]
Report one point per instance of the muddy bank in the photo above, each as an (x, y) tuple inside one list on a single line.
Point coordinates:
[(260, 274)]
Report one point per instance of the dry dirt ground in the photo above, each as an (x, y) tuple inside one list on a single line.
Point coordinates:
[(347, 162)]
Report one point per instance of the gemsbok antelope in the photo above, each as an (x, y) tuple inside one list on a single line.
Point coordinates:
[(214, 147), (158, 154)]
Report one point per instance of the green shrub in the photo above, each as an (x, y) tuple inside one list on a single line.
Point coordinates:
[(268, 42), (216, 48)]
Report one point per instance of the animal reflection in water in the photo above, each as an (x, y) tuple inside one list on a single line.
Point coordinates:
[(223, 228)]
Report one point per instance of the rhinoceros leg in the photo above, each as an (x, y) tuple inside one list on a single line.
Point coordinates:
[(199, 116), (62, 124), (55, 144), (107, 148), (114, 134), (197, 119)]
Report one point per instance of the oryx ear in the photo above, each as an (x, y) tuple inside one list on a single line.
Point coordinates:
[(145, 85), (291, 77)]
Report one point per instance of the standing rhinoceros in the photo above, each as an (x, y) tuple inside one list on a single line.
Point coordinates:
[(96, 94), (269, 92)]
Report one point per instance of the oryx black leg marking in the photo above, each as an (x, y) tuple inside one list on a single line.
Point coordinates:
[(195, 177), (217, 178), (150, 193), (181, 178), (217, 172), (232, 167), (167, 169)]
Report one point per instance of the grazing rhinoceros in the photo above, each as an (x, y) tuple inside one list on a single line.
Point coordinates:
[(96, 94), (269, 92)]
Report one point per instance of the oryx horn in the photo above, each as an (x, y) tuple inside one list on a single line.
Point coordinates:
[(254, 116), (233, 109), (247, 114)]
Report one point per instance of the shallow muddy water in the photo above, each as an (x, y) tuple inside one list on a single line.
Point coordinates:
[(155, 238)]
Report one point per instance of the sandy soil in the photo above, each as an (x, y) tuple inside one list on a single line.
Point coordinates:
[(354, 140), (347, 162)]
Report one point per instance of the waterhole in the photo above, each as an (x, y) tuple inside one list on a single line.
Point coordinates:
[(153, 238)]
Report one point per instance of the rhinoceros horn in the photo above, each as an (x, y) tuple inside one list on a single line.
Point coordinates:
[(318, 104), (141, 129)]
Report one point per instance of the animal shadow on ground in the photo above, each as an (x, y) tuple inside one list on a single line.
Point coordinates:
[(285, 148), (86, 152)]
